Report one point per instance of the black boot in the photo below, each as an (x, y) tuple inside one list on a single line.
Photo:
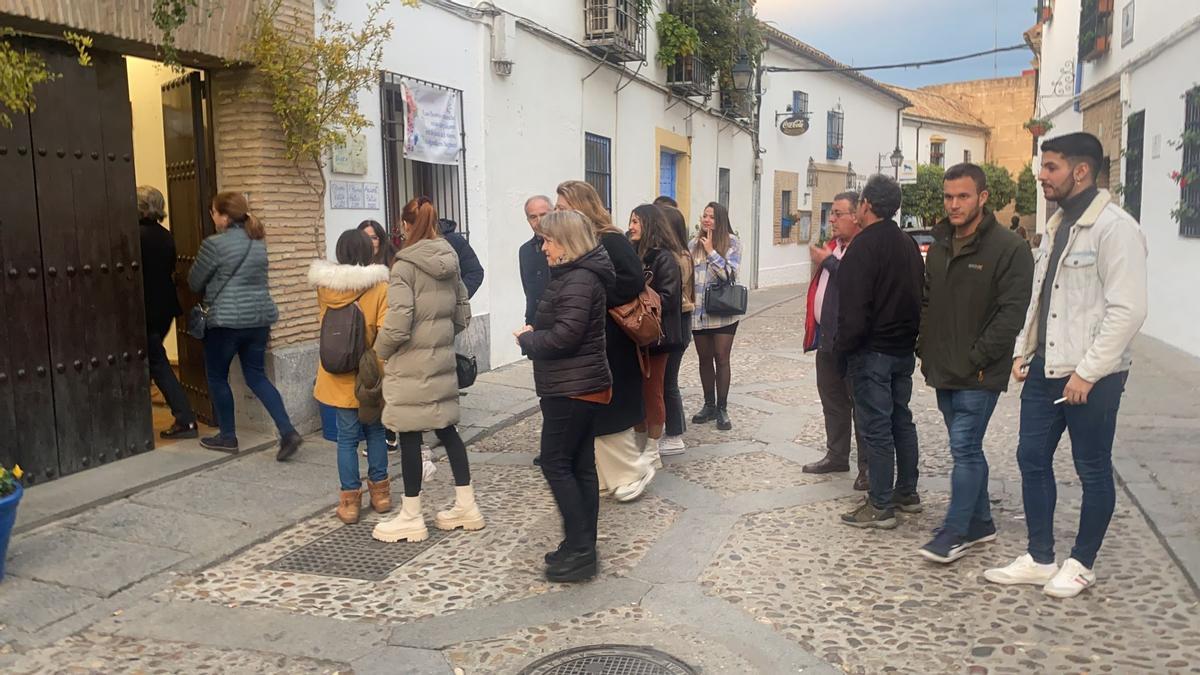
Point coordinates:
[(723, 421), (707, 414), (553, 557), (574, 565), (288, 445)]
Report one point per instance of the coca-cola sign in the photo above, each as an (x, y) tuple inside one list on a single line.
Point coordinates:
[(794, 126)]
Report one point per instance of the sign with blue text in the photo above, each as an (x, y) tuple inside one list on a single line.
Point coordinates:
[(432, 128)]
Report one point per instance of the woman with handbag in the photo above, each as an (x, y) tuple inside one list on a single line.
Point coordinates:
[(676, 423), (427, 307), (656, 242), (354, 281), (570, 370), (235, 318), (716, 256), (622, 471)]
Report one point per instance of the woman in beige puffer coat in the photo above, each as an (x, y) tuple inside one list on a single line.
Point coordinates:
[(427, 307)]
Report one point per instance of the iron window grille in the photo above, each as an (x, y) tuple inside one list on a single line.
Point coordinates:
[(597, 165), (723, 187), (615, 30), (1135, 141), (1095, 28), (835, 134), (688, 76), (937, 153), (1189, 194), (800, 104), (405, 179)]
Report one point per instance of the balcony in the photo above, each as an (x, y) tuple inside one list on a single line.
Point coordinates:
[(689, 77), (1095, 29), (614, 30)]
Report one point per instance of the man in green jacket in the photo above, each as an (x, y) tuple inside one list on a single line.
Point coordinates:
[(978, 280)]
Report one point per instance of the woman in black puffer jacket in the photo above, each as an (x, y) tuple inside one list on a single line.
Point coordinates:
[(570, 370)]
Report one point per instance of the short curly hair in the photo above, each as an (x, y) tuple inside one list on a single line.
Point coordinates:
[(883, 194)]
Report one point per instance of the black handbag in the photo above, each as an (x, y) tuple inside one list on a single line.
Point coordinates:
[(466, 368), (197, 324), (725, 297)]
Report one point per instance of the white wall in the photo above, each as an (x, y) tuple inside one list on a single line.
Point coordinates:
[(869, 130), (525, 134), (957, 139)]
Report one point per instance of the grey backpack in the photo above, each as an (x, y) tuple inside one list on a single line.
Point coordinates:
[(343, 338)]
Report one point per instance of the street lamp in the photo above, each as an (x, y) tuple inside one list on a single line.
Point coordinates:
[(897, 158), (743, 73)]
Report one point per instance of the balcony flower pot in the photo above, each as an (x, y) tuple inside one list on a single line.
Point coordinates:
[(1101, 45), (1105, 6), (8, 518), (1038, 127), (1047, 14)]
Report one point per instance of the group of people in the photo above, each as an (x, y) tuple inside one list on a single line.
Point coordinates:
[(980, 308)]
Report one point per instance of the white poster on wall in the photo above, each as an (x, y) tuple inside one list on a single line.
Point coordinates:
[(432, 132)]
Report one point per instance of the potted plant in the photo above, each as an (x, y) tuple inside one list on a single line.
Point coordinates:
[(1038, 126), (1105, 7), (10, 496), (1047, 11)]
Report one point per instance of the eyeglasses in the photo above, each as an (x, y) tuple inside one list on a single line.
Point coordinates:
[(839, 214)]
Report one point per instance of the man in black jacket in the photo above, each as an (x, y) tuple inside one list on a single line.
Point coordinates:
[(880, 282), (978, 277), (535, 272), (469, 269)]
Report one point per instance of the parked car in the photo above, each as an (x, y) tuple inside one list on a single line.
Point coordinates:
[(924, 239)]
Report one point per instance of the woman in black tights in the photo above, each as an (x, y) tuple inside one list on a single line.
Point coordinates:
[(717, 254), (427, 307)]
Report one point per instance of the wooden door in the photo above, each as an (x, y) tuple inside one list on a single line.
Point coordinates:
[(81, 136), (27, 435), (190, 189)]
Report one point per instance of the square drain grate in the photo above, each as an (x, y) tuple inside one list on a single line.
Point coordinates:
[(349, 552)]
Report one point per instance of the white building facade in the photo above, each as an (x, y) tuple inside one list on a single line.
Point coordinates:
[(537, 108), (1131, 80), (851, 132), (937, 131)]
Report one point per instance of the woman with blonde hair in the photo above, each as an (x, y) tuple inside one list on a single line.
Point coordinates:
[(570, 370), (427, 307), (231, 273), (622, 471)]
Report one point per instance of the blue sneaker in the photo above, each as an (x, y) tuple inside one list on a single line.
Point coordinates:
[(946, 547), (981, 532)]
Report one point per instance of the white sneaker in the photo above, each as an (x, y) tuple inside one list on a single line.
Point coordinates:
[(669, 446), (630, 492), (1023, 570), (1070, 580)]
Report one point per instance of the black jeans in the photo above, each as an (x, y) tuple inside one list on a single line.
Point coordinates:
[(882, 390), (164, 376), (676, 418), (569, 465), (837, 406), (411, 464)]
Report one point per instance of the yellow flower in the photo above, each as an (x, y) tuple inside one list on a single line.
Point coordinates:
[(17, 472)]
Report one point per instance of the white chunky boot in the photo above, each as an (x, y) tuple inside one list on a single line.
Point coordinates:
[(409, 525), (465, 513), (651, 454)]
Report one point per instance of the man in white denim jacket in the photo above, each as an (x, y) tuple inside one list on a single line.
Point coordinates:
[(1074, 354)]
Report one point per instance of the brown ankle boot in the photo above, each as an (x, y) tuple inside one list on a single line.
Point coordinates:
[(349, 504), (381, 495)]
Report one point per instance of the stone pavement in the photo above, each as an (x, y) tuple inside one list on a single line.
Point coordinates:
[(732, 562)]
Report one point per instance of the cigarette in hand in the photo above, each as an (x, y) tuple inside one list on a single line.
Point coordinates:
[(1061, 400)]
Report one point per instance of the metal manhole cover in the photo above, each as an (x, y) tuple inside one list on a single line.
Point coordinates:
[(349, 552), (609, 660)]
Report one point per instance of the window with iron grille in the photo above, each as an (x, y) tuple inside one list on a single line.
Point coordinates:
[(966, 156), (799, 104), (835, 134), (597, 165), (1095, 28), (1135, 141), (1189, 217), (723, 187), (406, 179), (937, 153)]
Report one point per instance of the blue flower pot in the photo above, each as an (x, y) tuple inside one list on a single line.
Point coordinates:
[(8, 518)]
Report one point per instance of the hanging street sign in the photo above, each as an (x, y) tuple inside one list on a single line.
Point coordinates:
[(794, 126)]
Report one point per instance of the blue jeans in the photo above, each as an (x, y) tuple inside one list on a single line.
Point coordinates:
[(967, 412), (1092, 427), (250, 346), (882, 389), (349, 429)]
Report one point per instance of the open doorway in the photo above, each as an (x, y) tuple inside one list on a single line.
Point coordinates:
[(172, 154)]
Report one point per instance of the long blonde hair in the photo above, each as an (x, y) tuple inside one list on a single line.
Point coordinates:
[(570, 229), (583, 198)]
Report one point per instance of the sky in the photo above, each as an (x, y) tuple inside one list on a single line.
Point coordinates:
[(874, 32)]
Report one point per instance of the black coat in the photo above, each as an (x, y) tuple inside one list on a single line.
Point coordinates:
[(567, 341), (535, 274), (627, 407), (668, 284), (469, 269), (880, 283), (158, 277), (974, 307)]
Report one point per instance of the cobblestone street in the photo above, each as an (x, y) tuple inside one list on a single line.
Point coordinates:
[(733, 561)]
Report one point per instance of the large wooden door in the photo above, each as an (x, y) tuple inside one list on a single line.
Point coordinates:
[(190, 188), (27, 435), (75, 337)]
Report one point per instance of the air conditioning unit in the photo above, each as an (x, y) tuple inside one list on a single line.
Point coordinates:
[(615, 30)]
